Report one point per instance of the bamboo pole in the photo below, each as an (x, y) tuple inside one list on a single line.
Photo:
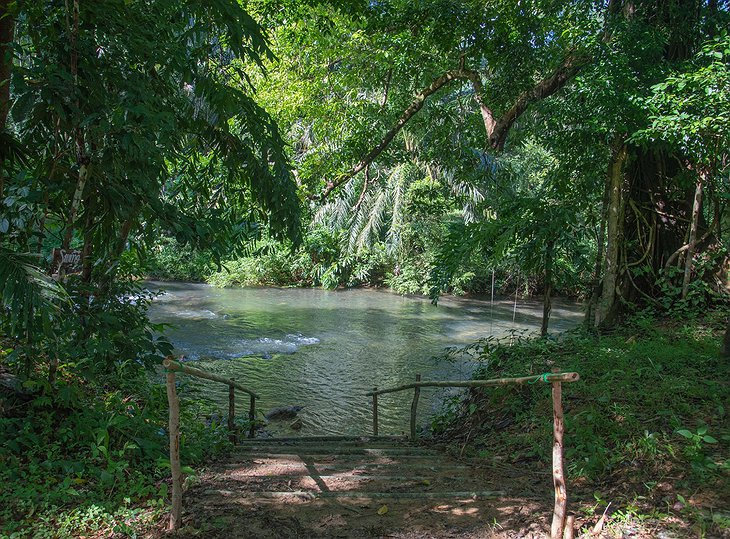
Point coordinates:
[(555, 377), (174, 428), (414, 407), (252, 417), (561, 494), (375, 410), (232, 413), (176, 366)]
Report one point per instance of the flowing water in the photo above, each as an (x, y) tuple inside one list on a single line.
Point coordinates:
[(324, 349)]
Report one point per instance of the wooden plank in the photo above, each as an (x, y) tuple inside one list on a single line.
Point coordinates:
[(357, 465), (335, 451), (349, 476), (478, 494), (375, 411), (556, 377), (561, 494), (232, 413), (327, 438), (343, 445), (252, 416), (318, 457)]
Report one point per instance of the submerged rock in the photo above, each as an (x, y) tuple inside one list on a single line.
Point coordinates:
[(283, 412)]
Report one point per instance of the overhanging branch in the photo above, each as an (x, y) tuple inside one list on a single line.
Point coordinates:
[(567, 69), (496, 129), (408, 113)]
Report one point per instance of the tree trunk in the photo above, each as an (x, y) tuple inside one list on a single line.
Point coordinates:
[(590, 318), (82, 159), (692, 243), (7, 32), (606, 309), (547, 300)]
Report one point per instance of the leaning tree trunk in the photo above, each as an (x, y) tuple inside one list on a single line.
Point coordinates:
[(547, 297), (7, 31)]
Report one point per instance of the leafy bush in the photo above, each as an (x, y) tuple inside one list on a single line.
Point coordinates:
[(168, 260), (640, 428), (84, 437)]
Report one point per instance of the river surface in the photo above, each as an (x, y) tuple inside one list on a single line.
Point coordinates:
[(324, 349)]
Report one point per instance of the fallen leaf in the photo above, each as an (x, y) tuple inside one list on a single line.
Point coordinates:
[(383, 510)]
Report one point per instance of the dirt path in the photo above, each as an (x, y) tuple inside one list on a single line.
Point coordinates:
[(362, 487)]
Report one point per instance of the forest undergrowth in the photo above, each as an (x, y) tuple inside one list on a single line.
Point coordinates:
[(647, 432)]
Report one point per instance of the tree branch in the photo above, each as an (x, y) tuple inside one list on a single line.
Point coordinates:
[(411, 110), (567, 69), (496, 129)]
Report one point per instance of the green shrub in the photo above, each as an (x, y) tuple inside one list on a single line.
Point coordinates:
[(168, 260)]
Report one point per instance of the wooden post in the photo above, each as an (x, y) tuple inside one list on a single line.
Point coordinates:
[(561, 494), (414, 407), (174, 427), (252, 417), (232, 413), (375, 413), (569, 532)]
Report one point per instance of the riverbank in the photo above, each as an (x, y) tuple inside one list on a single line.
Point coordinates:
[(319, 264), (647, 430)]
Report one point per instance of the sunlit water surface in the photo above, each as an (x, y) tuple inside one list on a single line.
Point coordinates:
[(324, 349)]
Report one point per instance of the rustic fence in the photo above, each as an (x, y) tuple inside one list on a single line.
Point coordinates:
[(562, 524), (171, 368)]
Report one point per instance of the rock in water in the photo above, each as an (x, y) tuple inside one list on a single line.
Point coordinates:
[(284, 412)]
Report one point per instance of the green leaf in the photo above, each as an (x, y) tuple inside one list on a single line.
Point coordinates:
[(685, 433), (709, 439)]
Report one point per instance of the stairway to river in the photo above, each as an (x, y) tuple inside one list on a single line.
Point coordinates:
[(356, 486)]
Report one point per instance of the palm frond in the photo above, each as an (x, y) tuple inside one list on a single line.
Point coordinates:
[(26, 290)]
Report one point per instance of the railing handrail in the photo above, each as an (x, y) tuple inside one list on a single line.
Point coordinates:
[(173, 365), (555, 379), (547, 378)]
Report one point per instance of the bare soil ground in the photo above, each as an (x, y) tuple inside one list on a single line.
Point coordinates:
[(385, 489)]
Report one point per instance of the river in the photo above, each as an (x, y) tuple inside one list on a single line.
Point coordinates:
[(324, 349)]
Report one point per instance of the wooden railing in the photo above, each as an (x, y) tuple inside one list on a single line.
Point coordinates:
[(562, 525), (171, 367)]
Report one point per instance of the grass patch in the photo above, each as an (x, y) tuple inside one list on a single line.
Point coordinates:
[(646, 427)]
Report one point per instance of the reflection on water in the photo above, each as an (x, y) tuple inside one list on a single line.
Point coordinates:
[(324, 349)]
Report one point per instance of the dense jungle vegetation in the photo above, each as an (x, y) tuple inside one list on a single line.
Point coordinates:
[(536, 147)]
